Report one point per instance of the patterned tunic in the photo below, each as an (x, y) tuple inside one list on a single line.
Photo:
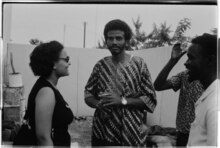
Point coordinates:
[(189, 94), (121, 124)]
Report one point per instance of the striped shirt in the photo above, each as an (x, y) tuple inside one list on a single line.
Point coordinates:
[(121, 124)]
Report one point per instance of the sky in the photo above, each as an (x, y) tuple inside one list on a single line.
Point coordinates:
[(65, 22)]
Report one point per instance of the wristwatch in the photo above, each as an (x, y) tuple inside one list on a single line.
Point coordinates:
[(124, 101)]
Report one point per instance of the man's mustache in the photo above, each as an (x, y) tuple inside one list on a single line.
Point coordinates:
[(114, 46)]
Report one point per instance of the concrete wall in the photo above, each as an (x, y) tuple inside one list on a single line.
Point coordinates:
[(82, 62)]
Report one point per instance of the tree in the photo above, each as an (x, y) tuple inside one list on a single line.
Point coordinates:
[(183, 25), (139, 37), (35, 41), (158, 37), (214, 31), (102, 44)]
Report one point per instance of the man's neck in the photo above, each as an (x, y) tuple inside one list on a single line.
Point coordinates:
[(53, 79), (208, 79), (120, 58)]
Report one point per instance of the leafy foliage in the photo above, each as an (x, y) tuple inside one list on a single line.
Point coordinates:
[(35, 41), (102, 44), (181, 28), (214, 31), (139, 38), (158, 37)]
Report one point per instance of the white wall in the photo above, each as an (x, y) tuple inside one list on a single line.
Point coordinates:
[(156, 59), (82, 62)]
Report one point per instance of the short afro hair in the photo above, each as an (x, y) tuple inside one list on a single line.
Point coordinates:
[(208, 43), (43, 57), (118, 25)]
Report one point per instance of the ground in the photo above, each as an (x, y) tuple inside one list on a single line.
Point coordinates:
[(80, 131)]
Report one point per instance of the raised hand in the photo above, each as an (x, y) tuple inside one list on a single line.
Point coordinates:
[(177, 52)]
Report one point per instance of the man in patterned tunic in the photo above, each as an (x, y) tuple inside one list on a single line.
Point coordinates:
[(121, 91), (189, 94)]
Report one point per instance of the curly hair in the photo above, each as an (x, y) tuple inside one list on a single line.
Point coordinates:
[(118, 25), (43, 57), (208, 43)]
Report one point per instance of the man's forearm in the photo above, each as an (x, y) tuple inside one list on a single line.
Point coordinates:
[(91, 101), (162, 77), (136, 103)]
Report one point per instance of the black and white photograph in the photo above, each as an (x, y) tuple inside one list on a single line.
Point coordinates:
[(109, 73)]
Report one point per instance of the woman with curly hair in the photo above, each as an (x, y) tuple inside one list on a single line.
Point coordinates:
[(47, 111)]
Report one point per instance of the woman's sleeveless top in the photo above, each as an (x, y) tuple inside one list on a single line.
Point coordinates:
[(62, 115)]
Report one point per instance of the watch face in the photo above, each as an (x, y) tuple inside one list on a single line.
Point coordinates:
[(124, 101)]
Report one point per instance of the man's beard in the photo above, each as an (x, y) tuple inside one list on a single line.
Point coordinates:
[(118, 50), (192, 76)]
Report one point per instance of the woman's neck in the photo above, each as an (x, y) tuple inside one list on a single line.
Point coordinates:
[(53, 80)]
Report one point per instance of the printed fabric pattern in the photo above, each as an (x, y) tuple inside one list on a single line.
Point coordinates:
[(189, 94), (121, 124)]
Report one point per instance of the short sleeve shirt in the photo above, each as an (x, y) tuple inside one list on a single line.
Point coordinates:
[(189, 94), (121, 124)]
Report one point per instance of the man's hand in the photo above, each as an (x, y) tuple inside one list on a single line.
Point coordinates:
[(111, 100), (177, 52)]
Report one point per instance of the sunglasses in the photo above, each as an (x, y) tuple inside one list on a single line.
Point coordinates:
[(67, 59)]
